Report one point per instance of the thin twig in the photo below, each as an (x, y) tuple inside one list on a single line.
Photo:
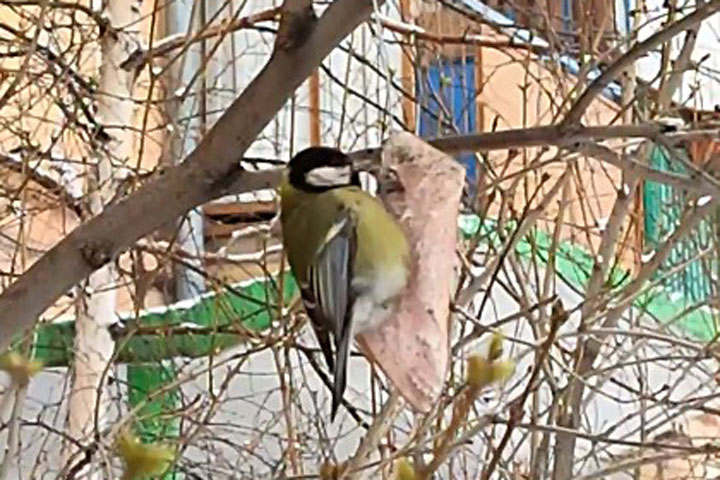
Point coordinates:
[(355, 467), (702, 12)]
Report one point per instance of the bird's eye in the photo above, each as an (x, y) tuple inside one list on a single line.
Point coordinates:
[(329, 176)]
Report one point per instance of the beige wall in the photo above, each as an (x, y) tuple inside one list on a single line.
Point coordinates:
[(516, 91)]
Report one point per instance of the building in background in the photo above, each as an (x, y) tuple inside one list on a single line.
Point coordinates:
[(383, 78)]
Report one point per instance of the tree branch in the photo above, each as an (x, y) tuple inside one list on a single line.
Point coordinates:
[(637, 51), (588, 350), (696, 184), (552, 135), (48, 183), (208, 172), (170, 43)]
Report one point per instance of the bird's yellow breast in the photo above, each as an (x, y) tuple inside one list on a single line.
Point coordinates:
[(307, 217)]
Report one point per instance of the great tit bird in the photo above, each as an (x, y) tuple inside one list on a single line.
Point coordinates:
[(350, 257)]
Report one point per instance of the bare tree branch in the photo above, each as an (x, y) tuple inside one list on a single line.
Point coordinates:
[(170, 43), (207, 173), (697, 184), (624, 466), (48, 183), (587, 351), (688, 22)]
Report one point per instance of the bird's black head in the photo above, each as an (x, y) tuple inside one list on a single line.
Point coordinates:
[(317, 169)]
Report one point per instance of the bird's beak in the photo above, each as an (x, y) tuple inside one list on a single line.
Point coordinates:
[(372, 162), (367, 160)]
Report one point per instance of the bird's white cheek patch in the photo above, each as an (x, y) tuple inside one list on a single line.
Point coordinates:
[(328, 176)]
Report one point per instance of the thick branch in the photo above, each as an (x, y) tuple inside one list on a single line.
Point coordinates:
[(542, 136), (208, 172)]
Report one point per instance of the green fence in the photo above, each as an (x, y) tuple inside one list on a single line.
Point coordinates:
[(691, 271)]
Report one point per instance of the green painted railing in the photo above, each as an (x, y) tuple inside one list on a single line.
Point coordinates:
[(663, 206), (207, 325)]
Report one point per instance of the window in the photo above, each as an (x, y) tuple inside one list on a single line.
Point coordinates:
[(446, 91)]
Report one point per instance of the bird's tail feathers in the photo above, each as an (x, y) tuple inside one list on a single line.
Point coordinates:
[(340, 380)]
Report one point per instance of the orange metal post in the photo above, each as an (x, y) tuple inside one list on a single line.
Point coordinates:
[(314, 86)]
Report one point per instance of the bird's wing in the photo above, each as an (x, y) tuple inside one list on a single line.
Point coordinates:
[(329, 297)]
